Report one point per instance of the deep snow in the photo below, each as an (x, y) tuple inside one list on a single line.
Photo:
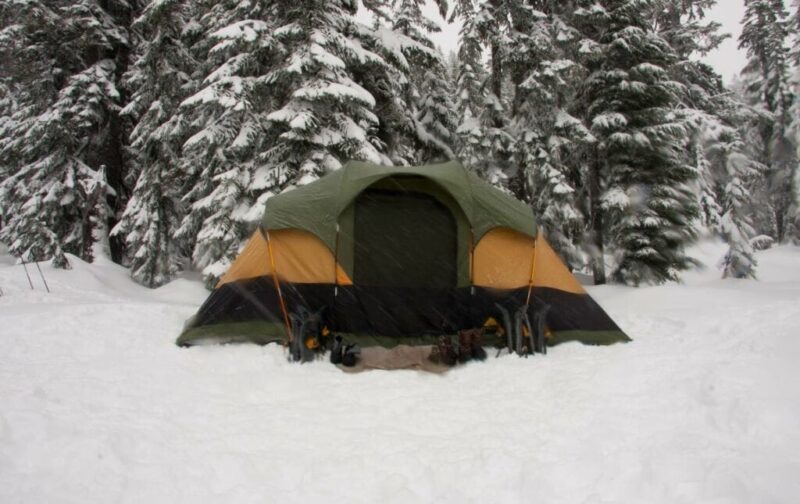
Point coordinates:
[(98, 405)]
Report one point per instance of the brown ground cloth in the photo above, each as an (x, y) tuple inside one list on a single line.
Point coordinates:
[(399, 357)]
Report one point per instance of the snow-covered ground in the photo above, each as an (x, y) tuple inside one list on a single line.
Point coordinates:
[(98, 405)]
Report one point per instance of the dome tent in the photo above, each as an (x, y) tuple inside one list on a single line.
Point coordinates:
[(395, 255)]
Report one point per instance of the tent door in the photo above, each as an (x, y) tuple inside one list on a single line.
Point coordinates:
[(404, 239)]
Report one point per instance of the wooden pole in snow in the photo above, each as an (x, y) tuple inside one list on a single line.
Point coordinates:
[(24, 265), (42, 275)]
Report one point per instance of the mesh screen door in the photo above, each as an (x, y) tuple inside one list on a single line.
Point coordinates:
[(403, 239)]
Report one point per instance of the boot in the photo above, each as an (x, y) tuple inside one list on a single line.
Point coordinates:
[(336, 351), (350, 355), (465, 345), (476, 345), (447, 354)]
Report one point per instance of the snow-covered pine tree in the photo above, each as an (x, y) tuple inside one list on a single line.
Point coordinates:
[(470, 76), (728, 153), (685, 26), (7, 108), (65, 141), (436, 115), (725, 170), (280, 105), (160, 80), (226, 119), (795, 110), (550, 141), (640, 161), (419, 92), (728, 174), (766, 76), (710, 207), (325, 115), (487, 147), (409, 82)]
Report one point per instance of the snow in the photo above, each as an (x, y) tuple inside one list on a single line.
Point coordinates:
[(248, 30), (345, 90), (610, 121), (99, 405)]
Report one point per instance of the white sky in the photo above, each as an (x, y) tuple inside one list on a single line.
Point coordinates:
[(728, 60)]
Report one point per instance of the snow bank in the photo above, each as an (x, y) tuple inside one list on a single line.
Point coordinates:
[(98, 405)]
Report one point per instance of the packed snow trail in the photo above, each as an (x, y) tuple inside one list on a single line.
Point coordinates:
[(97, 404)]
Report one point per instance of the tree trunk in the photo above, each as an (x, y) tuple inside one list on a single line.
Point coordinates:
[(114, 143), (596, 216)]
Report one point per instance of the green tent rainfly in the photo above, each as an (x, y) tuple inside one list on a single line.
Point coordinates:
[(393, 255)]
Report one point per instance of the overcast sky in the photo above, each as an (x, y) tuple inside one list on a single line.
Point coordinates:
[(727, 60)]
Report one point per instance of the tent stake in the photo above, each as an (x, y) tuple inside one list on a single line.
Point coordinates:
[(42, 275)]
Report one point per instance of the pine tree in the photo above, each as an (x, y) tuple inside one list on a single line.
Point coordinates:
[(280, 105), (735, 223), (470, 97), (422, 86), (640, 161), (683, 24), (550, 141), (8, 106), (435, 116), (226, 121), (160, 80), (487, 147), (730, 175), (726, 171), (64, 144), (765, 37), (795, 113)]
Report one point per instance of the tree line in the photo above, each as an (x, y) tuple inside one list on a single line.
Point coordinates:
[(157, 130)]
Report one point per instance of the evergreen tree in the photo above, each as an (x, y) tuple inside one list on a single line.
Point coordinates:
[(435, 116), (795, 111), (550, 141), (469, 92), (640, 162), (65, 141), (279, 105), (730, 175), (735, 224), (226, 119), (684, 26), (487, 146), (726, 172), (161, 79), (423, 86), (765, 37)]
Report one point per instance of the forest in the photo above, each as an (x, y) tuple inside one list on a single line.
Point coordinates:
[(154, 132)]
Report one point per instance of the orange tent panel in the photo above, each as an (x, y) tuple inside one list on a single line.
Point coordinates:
[(550, 271), (502, 259), (298, 257)]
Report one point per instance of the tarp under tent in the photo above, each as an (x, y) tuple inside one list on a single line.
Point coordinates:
[(396, 255)]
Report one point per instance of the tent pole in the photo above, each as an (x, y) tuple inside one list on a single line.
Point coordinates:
[(335, 271), (336, 263), (471, 262), (533, 268), (277, 284)]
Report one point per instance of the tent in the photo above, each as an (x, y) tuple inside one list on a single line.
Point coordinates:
[(396, 255)]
